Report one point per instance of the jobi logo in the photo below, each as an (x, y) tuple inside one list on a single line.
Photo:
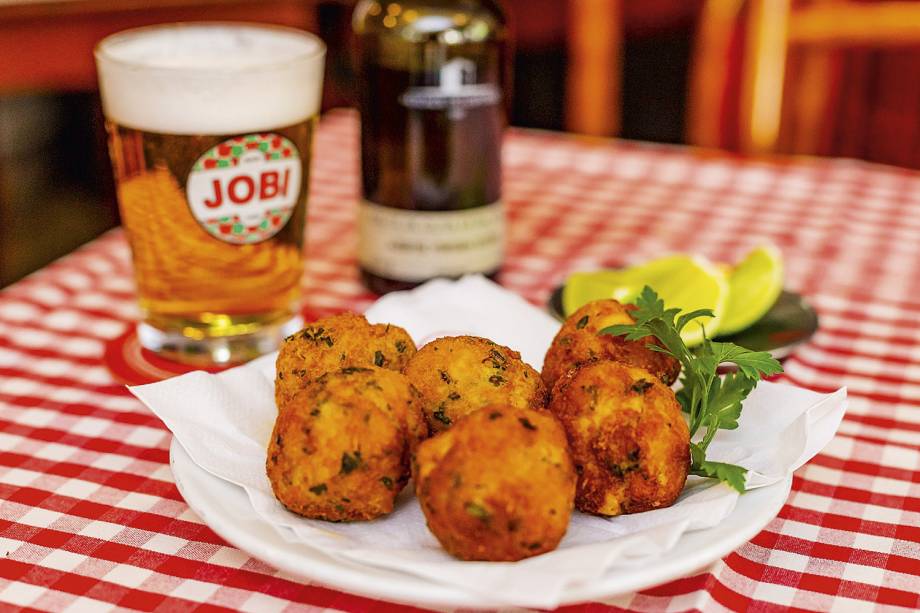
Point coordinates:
[(245, 189)]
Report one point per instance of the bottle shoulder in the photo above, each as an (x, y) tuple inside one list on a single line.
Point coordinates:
[(445, 21)]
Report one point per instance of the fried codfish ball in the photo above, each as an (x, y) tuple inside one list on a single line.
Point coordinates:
[(458, 374), (338, 342), (340, 447), (578, 341), (629, 440), (498, 485), (389, 390)]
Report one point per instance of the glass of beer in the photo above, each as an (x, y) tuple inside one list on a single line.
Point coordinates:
[(210, 129)]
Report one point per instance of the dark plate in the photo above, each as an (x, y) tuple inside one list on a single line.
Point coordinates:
[(790, 322)]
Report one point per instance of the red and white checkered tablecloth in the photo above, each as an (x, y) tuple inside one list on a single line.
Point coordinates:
[(90, 517)]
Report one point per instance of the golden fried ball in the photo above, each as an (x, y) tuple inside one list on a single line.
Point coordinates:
[(391, 391), (338, 342), (460, 374), (628, 437), (498, 485), (578, 341), (340, 447)]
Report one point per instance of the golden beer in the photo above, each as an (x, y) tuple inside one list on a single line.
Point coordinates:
[(210, 130)]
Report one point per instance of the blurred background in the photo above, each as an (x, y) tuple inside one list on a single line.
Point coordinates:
[(815, 77)]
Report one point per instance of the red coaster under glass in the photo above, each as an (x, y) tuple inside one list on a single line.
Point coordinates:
[(131, 364)]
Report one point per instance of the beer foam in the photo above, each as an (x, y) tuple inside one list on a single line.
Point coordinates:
[(219, 78)]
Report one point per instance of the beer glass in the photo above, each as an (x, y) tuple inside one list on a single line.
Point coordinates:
[(210, 129)]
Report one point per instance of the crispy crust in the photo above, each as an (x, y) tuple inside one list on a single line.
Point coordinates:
[(578, 342), (338, 342), (498, 485), (460, 374), (340, 448), (389, 390), (628, 438)]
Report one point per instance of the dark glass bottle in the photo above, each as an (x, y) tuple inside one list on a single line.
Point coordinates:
[(431, 76)]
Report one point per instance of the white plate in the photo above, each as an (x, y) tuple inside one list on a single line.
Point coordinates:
[(226, 509)]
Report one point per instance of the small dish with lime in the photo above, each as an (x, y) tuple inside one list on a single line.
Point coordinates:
[(750, 306)]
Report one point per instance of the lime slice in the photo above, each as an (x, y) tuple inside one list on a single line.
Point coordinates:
[(698, 284), (583, 287), (754, 286), (682, 281), (623, 284)]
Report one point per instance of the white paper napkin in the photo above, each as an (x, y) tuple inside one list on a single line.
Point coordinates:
[(224, 422)]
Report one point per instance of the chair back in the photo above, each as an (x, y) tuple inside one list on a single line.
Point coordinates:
[(783, 76)]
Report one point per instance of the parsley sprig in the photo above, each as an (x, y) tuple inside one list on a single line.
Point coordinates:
[(710, 401)]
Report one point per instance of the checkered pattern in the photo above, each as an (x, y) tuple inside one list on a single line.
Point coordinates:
[(90, 516)]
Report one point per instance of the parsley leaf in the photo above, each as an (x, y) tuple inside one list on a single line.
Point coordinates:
[(711, 402), (753, 364), (726, 396), (732, 474)]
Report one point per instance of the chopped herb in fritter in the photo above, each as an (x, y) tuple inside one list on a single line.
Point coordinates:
[(317, 335), (526, 423), (440, 416), (350, 370), (350, 462), (641, 386), (497, 359), (477, 511)]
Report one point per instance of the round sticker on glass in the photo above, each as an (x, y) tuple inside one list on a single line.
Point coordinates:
[(244, 190)]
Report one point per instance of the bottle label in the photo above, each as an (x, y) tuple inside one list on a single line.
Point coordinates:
[(244, 190), (415, 246), (456, 92)]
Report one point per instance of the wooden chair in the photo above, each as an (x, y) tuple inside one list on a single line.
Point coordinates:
[(595, 45), (594, 75), (768, 113)]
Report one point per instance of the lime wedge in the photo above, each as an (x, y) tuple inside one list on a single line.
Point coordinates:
[(623, 284), (754, 286), (698, 284), (583, 287), (682, 281)]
